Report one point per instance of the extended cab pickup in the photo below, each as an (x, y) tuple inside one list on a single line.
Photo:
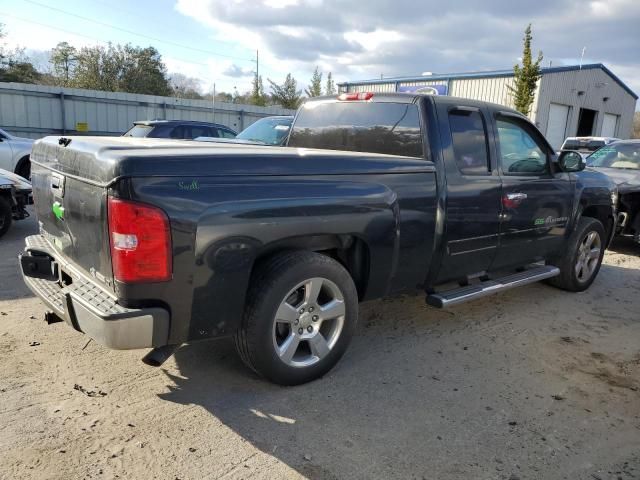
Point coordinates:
[(153, 243)]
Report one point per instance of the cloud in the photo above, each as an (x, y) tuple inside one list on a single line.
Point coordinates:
[(405, 37), (235, 71)]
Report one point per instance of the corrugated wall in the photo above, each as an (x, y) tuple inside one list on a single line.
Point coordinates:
[(38, 110), (563, 88)]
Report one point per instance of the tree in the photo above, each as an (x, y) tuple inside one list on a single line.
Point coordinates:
[(143, 71), (526, 76), (257, 92), (315, 86), (287, 94), (63, 60), (185, 87), (121, 69), (15, 66), (330, 88)]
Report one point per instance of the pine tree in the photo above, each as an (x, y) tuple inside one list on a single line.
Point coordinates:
[(257, 92), (526, 77), (330, 88), (315, 86), (286, 94)]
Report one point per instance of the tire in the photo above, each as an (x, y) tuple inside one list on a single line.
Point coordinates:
[(590, 236), (6, 216), (24, 168), (281, 312)]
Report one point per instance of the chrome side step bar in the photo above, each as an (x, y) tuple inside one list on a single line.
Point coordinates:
[(465, 294)]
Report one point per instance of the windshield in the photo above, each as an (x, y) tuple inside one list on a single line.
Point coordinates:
[(138, 131), (267, 130), (624, 155), (583, 145)]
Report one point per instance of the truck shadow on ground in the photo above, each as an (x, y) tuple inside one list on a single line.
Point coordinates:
[(11, 244), (625, 245), (421, 393)]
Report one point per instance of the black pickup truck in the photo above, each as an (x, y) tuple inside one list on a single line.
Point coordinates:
[(154, 243)]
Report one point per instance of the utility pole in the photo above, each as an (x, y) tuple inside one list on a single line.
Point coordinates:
[(257, 65), (213, 103)]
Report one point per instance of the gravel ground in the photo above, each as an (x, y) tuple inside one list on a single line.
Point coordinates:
[(534, 383)]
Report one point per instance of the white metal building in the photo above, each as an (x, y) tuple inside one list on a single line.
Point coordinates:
[(37, 110), (569, 101)]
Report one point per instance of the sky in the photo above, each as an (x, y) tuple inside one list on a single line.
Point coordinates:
[(215, 41)]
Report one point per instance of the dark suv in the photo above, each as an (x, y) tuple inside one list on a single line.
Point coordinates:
[(179, 129)]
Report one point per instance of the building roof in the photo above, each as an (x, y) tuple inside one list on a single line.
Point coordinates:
[(492, 74)]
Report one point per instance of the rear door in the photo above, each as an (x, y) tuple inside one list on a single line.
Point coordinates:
[(536, 199), (473, 192)]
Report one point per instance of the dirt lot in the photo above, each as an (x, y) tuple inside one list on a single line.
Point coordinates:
[(531, 384)]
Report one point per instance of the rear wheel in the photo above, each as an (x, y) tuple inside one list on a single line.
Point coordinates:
[(301, 313), (24, 168), (580, 266), (5, 216)]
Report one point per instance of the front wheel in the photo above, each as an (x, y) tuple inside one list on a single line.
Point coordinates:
[(301, 313), (581, 263)]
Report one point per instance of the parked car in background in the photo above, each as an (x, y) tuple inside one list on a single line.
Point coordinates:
[(15, 195), (179, 129), (14, 154), (276, 246), (586, 145), (269, 130), (266, 131), (621, 161)]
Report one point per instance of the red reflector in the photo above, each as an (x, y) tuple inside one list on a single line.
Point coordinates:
[(140, 242), (356, 96)]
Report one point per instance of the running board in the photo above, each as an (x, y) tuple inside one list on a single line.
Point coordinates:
[(465, 294)]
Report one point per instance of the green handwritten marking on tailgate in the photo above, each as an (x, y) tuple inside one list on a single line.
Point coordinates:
[(58, 210)]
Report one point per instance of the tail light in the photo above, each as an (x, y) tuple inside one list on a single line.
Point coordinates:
[(356, 96), (140, 242)]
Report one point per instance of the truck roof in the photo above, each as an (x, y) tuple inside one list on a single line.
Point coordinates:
[(408, 97)]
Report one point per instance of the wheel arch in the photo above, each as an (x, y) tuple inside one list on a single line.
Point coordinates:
[(604, 215), (351, 251)]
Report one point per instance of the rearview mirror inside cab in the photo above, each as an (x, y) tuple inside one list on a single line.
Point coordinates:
[(570, 161)]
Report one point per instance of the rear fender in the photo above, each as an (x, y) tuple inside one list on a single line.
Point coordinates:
[(232, 235)]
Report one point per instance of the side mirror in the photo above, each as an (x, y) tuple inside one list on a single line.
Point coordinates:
[(570, 161)]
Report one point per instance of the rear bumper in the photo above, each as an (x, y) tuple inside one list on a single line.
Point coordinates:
[(86, 307)]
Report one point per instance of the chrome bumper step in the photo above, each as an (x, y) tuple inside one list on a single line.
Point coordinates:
[(471, 292)]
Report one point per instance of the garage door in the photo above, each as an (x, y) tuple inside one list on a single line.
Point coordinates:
[(609, 124), (557, 124)]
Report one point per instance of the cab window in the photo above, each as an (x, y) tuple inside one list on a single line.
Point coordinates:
[(469, 140), (520, 152)]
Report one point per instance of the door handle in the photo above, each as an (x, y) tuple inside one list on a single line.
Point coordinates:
[(516, 197), (513, 200)]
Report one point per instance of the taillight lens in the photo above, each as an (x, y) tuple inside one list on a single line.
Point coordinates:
[(356, 96), (140, 242)]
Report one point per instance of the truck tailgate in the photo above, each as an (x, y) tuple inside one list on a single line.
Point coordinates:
[(71, 209)]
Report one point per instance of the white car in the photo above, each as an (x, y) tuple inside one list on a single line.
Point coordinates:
[(14, 154)]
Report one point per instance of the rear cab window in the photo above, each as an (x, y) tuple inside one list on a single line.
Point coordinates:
[(372, 127), (138, 131)]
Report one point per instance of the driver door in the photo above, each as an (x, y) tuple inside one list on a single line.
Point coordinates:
[(536, 201)]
